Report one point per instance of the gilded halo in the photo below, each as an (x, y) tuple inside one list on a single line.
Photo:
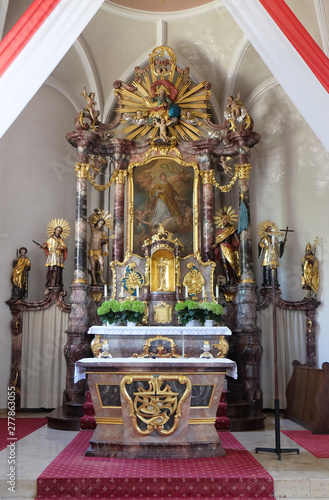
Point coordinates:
[(262, 226), (101, 214), (225, 214), (66, 228)]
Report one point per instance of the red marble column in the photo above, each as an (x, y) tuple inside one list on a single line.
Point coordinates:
[(208, 233), (120, 165)]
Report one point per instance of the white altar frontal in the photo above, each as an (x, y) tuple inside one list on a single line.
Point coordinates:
[(153, 395)]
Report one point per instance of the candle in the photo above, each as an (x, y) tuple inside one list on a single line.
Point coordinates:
[(203, 292), (121, 292), (186, 292), (217, 292), (105, 291), (137, 291)]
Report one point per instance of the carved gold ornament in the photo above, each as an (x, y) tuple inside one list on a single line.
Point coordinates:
[(222, 346), (152, 407), (158, 347), (66, 228), (193, 280), (132, 279), (82, 170)]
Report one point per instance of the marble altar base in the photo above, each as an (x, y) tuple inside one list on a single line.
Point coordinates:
[(189, 432)]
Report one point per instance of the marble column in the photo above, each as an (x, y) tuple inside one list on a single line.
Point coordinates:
[(247, 335), (78, 344), (208, 233), (120, 162)]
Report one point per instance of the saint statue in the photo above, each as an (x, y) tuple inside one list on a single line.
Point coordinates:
[(227, 244), (19, 277), (56, 252), (310, 272), (270, 248), (98, 238)]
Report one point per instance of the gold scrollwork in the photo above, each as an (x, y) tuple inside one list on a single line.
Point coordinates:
[(82, 170), (207, 176), (96, 346), (155, 405), (222, 346)]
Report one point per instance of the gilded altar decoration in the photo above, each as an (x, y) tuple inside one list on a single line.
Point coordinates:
[(193, 280), (222, 346), (163, 270), (132, 280), (310, 270), (154, 404), (163, 313), (96, 346), (162, 103), (236, 113), (158, 347)]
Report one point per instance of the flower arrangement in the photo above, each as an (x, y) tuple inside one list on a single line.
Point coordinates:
[(113, 311), (201, 311)]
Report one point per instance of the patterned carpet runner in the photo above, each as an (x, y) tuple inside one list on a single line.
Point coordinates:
[(317, 444), (14, 430), (72, 475)]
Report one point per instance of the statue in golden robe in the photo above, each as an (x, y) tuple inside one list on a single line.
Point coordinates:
[(56, 252), (310, 272), (19, 277)]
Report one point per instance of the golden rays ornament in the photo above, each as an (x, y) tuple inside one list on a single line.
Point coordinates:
[(162, 103), (105, 216), (66, 228), (225, 214), (263, 226)]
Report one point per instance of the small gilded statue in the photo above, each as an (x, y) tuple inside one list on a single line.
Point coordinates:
[(56, 252), (19, 277), (310, 271), (227, 244), (98, 239)]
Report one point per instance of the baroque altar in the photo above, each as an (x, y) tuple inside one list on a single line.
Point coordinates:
[(161, 166)]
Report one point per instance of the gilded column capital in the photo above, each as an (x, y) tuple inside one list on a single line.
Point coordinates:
[(120, 176), (244, 170), (207, 176), (82, 170)]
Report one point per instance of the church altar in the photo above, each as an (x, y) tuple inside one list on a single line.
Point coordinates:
[(155, 408)]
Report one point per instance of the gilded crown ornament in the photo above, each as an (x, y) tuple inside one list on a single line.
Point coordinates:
[(102, 215), (268, 227), (225, 215)]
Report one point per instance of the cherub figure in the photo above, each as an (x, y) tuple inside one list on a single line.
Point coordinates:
[(138, 118), (163, 124), (234, 106)]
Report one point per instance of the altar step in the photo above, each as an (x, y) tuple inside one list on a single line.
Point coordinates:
[(72, 475), (243, 415)]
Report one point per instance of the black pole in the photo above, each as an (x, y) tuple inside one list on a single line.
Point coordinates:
[(278, 450)]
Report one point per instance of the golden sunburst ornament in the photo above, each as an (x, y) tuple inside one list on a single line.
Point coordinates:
[(162, 103), (225, 214), (66, 228), (263, 229), (105, 216)]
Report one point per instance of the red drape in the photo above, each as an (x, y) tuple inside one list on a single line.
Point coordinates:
[(23, 31), (299, 37)]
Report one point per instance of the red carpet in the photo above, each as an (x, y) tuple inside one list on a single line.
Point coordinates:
[(317, 444), (23, 427), (72, 475)]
